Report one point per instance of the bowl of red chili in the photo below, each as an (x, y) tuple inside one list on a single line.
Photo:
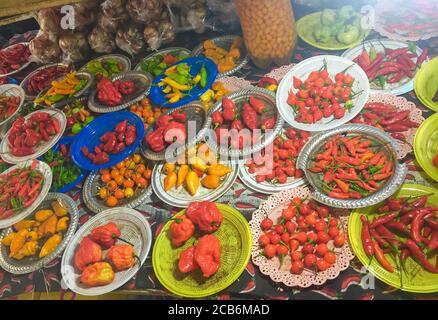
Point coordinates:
[(352, 166)]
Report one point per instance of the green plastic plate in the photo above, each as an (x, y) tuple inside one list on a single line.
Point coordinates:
[(413, 278), (426, 83), (235, 238), (307, 24), (426, 145)]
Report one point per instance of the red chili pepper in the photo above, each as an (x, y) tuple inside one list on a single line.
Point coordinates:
[(338, 195), (417, 224), (367, 242), (405, 253), (266, 81), (418, 254), (397, 225), (345, 187), (383, 219), (376, 62), (396, 53), (422, 56), (180, 115), (386, 234), (433, 244), (217, 119), (249, 116), (268, 123), (396, 78), (393, 119), (432, 223), (257, 105), (380, 256)]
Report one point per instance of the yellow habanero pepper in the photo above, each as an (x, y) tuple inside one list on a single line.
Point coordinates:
[(62, 224), (218, 169), (170, 181), (192, 182), (43, 215), (50, 245), (50, 227), (211, 181), (168, 168), (24, 224), (176, 85), (198, 164), (6, 241), (60, 211), (18, 242), (182, 173), (29, 249), (32, 236)]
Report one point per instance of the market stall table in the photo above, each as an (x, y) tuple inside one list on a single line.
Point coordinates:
[(353, 283)]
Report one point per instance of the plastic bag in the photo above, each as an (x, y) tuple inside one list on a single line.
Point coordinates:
[(144, 11), (130, 40), (188, 15), (107, 24), (225, 14), (152, 37), (44, 48), (74, 46), (101, 41), (114, 9), (84, 17), (49, 21)]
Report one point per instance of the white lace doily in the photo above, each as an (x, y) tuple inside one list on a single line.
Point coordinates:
[(280, 72), (235, 83), (272, 208), (415, 115)]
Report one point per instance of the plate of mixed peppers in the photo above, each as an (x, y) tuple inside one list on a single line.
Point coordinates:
[(23, 187), (203, 250), (389, 65), (78, 115), (158, 61), (106, 252), (398, 239), (11, 100), (351, 167), (107, 65), (119, 92), (64, 89), (183, 82), (313, 98), (32, 243)]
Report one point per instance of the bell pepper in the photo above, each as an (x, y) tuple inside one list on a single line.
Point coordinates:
[(175, 131), (155, 140), (105, 235), (192, 182), (181, 230), (218, 169), (28, 249), (121, 256), (24, 224), (18, 242), (205, 215), (182, 173), (50, 245), (43, 215), (170, 181), (187, 261), (87, 253), (97, 274), (211, 181), (207, 255), (62, 224)]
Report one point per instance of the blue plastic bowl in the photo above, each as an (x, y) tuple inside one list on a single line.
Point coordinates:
[(67, 141), (158, 97), (90, 134)]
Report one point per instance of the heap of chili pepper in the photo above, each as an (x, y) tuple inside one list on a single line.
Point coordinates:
[(351, 166), (169, 128), (391, 65), (111, 93), (8, 106), (319, 96), (388, 118), (251, 114), (408, 226), (287, 146)]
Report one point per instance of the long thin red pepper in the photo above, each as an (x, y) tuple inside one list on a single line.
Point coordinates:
[(389, 236), (380, 256), (383, 219), (367, 242), (420, 256), (417, 223)]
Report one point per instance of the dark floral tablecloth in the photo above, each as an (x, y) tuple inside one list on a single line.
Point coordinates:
[(353, 283)]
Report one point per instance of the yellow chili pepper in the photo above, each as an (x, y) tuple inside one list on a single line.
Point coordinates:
[(32, 235), (211, 181), (6, 241), (18, 242), (64, 91), (24, 224), (192, 182), (182, 173), (176, 85), (175, 98), (167, 89), (198, 164), (218, 169), (196, 79), (50, 227), (43, 215), (62, 224), (72, 77), (50, 245), (170, 70), (272, 87), (28, 249), (61, 85), (170, 181), (168, 168), (366, 156), (59, 209)]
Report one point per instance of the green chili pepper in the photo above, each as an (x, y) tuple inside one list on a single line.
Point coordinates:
[(355, 187), (56, 98), (375, 169), (181, 79), (203, 81), (183, 69), (382, 81), (373, 53)]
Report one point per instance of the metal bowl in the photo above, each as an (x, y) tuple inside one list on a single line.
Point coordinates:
[(389, 147), (23, 66), (26, 80), (268, 98), (123, 60), (225, 42), (12, 90), (142, 82), (161, 52), (181, 198), (80, 75), (30, 264), (195, 112)]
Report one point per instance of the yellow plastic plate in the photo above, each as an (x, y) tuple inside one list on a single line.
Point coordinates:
[(235, 238), (426, 145), (413, 278), (308, 24), (426, 83)]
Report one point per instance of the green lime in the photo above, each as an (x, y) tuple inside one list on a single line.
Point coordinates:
[(77, 127)]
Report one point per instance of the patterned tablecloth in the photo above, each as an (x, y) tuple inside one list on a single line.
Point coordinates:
[(353, 283)]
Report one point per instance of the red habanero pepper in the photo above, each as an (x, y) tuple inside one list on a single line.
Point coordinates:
[(236, 124), (207, 254), (181, 230), (180, 115), (187, 261), (163, 121), (268, 123), (121, 256), (249, 116), (155, 140), (380, 256), (367, 242), (205, 215), (127, 87), (175, 131), (216, 119), (418, 254), (105, 235)]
